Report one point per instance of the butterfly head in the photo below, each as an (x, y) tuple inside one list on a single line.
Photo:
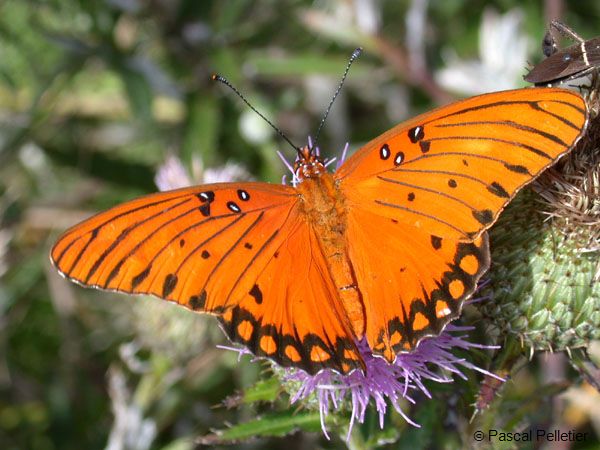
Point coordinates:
[(308, 164)]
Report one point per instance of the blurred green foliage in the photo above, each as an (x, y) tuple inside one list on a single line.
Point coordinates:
[(93, 96)]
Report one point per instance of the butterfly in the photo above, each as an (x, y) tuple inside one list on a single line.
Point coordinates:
[(575, 61), (385, 249)]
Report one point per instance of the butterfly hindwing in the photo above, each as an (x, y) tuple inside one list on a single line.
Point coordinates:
[(414, 284), (226, 249), (309, 329)]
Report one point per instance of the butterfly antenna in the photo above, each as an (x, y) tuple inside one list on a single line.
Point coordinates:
[(226, 82), (355, 54)]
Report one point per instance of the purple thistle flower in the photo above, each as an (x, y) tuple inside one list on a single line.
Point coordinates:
[(383, 381)]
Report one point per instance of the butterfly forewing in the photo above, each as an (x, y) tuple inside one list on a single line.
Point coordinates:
[(153, 244), (450, 172), (227, 249)]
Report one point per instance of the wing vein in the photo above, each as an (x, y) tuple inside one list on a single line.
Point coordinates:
[(493, 139), (443, 172), (465, 154), (123, 235), (429, 216), (207, 240), (508, 123), (117, 267), (124, 213), (235, 244), (422, 188), (533, 104), (252, 261)]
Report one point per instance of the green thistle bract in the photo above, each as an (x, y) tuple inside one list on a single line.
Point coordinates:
[(545, 277)]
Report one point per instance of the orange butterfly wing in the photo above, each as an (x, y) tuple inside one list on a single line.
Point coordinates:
[(420, 197), (242, 251), (413, 208)]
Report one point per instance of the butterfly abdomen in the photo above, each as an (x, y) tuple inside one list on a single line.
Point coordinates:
[(324, 208)]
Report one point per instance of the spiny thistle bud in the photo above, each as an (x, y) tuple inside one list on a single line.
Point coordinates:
[(545, 275)]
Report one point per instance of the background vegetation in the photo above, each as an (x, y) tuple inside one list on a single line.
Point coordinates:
[(94, 95)]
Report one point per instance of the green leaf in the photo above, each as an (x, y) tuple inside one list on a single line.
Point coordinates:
[(201, 128), (21, 278), (183, 443), (139, 93), (230, 14), (263, 391), (272, 425), (106, 167), (430, 416)]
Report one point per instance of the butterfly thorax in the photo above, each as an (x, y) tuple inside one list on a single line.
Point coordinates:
[(324, 208)]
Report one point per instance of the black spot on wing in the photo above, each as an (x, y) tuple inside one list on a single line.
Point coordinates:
[(114, 272), (436, 242), (169, 284), (205, 209), (497, 189), (399, 158), (255, 330), (206, 196), (197, 302), (517, 168), (135, 281), (256, 293), (416, 134), (384, 152), (205, 254), (233, 206), (484, 216), (243, 195)]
